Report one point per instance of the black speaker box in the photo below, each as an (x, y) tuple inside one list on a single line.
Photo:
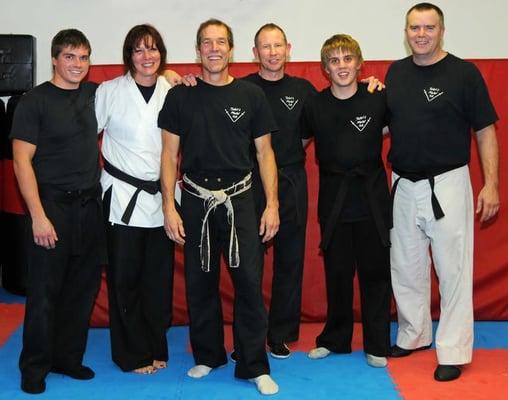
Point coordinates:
[(17, 64)]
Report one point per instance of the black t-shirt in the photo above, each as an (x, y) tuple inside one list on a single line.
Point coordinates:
[(217, 125), (432, 110), (146, 91), (62, 124), (347, 134), (286, 97)]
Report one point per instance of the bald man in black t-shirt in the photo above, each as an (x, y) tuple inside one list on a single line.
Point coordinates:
[(435, 99)]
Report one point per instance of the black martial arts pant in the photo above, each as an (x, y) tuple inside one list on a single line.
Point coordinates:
[(357, 246), (140, 293), (61, 286), (288, 253), (203, 297)]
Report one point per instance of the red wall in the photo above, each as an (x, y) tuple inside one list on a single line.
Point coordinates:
[(491, 241)]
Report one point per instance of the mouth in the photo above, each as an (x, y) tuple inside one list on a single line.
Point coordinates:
[(148, 65)]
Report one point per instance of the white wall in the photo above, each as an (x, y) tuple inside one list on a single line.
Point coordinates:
[(474, 29)]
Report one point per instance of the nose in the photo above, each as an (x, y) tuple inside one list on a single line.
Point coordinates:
[(215, 45)]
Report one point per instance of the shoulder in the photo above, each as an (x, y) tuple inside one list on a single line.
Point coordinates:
[(36, 95), (113, 84), (254, 77), (163, 83), (249, 88), (466, 66)]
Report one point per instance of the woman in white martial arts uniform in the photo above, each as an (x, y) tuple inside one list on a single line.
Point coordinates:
[(140, 269)]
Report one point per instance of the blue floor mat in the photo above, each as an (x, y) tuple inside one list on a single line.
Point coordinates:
[(299, 378)]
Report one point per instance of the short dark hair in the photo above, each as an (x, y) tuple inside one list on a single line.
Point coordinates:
[(427, 7), (69, 37), (270, 27), (217, 22), (149, 36)]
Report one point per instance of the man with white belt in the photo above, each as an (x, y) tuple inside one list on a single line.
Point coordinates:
[(215, 124)]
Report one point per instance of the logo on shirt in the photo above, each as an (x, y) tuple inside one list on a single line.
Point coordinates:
[(432, 93), (360, 122), (234, 113), (289, 102)]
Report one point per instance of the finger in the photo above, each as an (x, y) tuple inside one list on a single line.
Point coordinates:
[(479, 206), (262, 228)]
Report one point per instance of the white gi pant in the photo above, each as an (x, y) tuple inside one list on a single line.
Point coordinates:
[(451, 241)]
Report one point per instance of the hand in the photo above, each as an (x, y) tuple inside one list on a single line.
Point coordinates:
[(190, 80), (173, 225), (374, 84), (172, 77), (269, 223), (44, 233), (488, 203)]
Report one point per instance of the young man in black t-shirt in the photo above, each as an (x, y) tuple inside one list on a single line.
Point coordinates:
[(435, 99), (353, 205), (213, 126), (56, 162)]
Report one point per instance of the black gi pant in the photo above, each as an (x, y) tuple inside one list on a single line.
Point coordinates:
[(203, 297), (140, 293), (61, 287), (288, 253), (357, 246)]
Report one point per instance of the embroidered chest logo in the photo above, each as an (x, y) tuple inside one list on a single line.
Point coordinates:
[(234, 113), (432, 93), (360, 122), (289, 102)]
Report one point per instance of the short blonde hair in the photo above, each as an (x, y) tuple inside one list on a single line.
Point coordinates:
[(340, 42)]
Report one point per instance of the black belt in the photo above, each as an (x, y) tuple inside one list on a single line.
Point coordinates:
[(152, 187), (419, 176), (369, 172), (78, 199)]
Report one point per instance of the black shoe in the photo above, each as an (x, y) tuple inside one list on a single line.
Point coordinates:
[(33, 386), (233, 356), (279, 350), (445, 373), (82, 372), (397, 352)]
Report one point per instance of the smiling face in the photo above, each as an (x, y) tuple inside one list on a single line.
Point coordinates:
[(424, 34), (70, 67), (272, 51), (342, 68), (146, 59), (214, 51)]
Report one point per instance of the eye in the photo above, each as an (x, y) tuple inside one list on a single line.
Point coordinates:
[(84, 58), (348, 59)]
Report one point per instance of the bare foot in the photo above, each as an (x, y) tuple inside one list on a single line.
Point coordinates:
[(148, 370), (159, 364)]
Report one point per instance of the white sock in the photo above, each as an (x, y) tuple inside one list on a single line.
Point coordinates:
[(376, 362), (319, 352), (198, 371), (265, 384)]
